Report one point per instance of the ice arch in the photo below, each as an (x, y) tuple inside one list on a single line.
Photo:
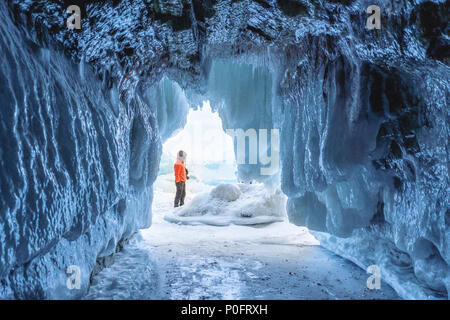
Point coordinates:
[(364, 126)]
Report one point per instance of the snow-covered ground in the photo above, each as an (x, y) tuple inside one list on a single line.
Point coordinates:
[(203, 261), (227, 203)]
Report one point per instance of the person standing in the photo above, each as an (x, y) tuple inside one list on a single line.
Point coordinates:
[(180, 178)]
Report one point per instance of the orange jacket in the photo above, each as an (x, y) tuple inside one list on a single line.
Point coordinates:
[(180, 171)]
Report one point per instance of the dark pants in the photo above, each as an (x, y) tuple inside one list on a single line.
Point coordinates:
[(181, 193)]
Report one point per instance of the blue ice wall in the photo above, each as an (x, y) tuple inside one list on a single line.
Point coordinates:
[(364, 123), (357, 143), (244, 95), (170, 104), (77, 165)]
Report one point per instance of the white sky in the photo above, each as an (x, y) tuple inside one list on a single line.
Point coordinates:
[(202, 138)]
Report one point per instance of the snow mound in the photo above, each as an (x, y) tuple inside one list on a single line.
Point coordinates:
[(240, 204), (226, 191)]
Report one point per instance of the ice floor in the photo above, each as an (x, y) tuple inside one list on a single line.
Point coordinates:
[(203, 261)]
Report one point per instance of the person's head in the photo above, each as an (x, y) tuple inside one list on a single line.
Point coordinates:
[(181, 155)]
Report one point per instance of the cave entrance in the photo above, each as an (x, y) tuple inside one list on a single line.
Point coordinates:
[(232, 238), (232, 147), (210, 155), (216, 192)]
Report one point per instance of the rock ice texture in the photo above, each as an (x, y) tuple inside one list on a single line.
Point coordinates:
[(77, 166), (363, 116)]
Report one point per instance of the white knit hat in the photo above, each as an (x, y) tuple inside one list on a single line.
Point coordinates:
[(181, 155)]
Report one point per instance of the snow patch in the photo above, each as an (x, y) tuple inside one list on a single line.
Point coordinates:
[(226, 191)]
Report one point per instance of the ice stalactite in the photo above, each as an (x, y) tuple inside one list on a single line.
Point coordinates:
[(356, 151), (171, 106), (244, 95), (355, 155)]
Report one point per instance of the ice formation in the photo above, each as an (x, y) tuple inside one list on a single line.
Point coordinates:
[(363, 116), (241, 204)]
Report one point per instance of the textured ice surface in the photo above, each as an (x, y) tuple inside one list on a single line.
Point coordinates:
[(241, 204), (244, 97), (77, 166), (369, 247), (363, 117), (356, 156), (171, 106)]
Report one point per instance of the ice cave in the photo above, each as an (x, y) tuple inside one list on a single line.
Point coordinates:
[(354, 121)]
